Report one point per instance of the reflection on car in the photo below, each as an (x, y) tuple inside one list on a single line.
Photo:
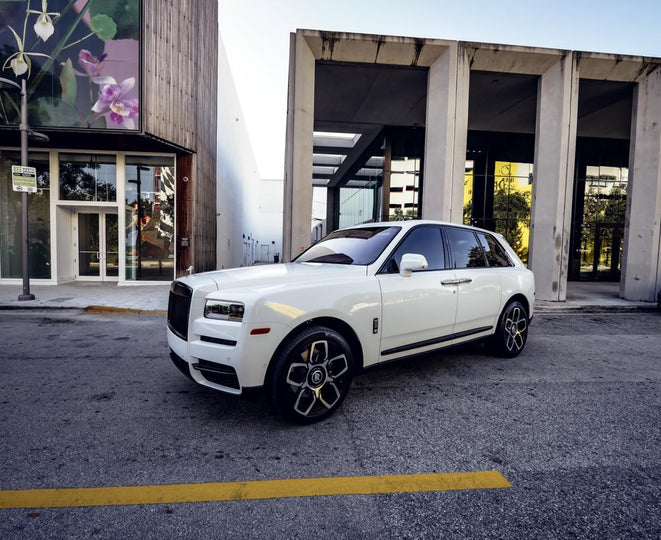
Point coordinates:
[(364, 295)]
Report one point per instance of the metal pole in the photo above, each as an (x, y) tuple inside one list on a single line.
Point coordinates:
[(138, 241), (24, 196)]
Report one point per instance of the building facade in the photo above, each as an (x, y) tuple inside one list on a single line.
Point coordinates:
[(126, 93), (558, 150)]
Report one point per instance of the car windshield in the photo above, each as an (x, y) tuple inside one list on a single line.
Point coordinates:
[(350, 246)]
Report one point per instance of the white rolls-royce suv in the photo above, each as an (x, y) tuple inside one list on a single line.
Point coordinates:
[(361, 296)]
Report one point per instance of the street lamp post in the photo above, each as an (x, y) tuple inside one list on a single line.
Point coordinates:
[(24, 197), (11, 86)]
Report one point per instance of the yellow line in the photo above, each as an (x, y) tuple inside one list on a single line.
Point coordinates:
[(260, 489)]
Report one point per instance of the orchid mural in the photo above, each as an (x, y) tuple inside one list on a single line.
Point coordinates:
[(80, 59)]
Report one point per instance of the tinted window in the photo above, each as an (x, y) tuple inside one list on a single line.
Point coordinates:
[(466, 251), (425, 241), (494, 252), (350, 246)]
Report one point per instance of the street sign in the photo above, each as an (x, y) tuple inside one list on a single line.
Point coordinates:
[(24, 178)]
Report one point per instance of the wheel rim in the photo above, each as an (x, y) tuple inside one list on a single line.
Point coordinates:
[(516, 325), (317, 380)]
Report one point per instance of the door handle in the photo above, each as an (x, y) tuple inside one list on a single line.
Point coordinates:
[(458, 281)]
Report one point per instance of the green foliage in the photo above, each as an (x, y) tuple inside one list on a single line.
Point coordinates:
[(125, 13), (511, 210), (68, 83), (103, 26), (51, 111)]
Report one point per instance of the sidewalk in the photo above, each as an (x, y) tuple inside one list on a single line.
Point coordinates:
[(592, 297), (154, 298), (89, 295)]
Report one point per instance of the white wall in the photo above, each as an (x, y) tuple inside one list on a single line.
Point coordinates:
[(269, 230), (238, 182)]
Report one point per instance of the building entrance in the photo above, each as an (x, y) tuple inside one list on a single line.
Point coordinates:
[(599, 208), (96, 237)]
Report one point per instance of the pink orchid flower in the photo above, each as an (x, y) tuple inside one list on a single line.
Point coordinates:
[(114, 101), (92, 65)]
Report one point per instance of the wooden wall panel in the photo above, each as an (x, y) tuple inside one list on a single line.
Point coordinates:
[(179, 104)]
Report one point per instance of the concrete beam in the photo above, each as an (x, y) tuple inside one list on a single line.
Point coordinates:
[(555, 148), (353, 160), (641, 265), (373, 48), (445, 137)]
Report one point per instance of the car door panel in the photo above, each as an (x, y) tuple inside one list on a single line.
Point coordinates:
[(478, 299), (416, 310)]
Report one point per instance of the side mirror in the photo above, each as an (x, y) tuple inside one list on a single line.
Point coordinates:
[(411, 262)]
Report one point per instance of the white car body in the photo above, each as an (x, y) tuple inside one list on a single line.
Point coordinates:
[(387, 316)]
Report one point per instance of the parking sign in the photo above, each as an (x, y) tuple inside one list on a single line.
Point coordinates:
[(24, 178)]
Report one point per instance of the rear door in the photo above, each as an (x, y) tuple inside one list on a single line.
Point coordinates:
[(477, 285)]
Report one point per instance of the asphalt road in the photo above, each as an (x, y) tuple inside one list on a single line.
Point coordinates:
[(574, 424)]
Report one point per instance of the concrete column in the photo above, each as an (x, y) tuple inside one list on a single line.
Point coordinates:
[(641, 265), (555, 149), (297, 214), (445, 136)]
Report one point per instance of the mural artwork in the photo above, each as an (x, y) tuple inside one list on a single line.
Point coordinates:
[(80, 59)]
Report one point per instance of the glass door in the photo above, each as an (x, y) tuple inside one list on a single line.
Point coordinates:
[(98, 246)]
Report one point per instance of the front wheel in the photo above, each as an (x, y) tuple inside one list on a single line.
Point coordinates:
[(512, 331), (311, 375)]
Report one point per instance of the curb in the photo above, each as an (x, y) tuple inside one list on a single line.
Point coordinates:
[(89, 309), (125, 311), (596, 309)]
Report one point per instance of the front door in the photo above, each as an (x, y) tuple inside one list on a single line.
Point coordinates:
[(97, 256)]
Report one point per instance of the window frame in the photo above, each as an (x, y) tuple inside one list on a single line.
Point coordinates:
[(448, 247), (383, 270)]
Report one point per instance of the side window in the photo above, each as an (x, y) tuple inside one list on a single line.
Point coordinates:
[(466, 251), (425, 241), (495, 253)]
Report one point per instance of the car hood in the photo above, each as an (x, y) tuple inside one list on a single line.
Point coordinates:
[(269, 275)]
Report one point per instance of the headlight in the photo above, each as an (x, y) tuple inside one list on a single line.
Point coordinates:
[(224, 311)]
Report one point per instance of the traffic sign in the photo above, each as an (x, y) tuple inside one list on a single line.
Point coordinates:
[(24, 178)]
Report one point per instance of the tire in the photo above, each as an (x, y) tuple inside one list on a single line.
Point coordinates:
[(512, 331), (311, 375)]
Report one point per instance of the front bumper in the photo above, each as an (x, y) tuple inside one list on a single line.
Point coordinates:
[(223, 355)]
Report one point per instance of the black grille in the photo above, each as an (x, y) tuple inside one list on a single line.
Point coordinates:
[(179, 308)]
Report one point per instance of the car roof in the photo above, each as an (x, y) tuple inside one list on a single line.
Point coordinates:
[(410, 223)]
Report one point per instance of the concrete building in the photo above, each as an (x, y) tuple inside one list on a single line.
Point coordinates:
[(127, 94), (249, 216), (558, 150)]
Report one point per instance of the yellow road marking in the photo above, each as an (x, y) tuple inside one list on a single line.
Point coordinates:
[(250, 490)]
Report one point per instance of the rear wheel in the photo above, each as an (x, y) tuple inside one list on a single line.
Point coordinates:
[(512, 331), (311, 375)]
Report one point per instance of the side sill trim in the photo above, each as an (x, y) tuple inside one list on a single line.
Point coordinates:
[(435, 341)]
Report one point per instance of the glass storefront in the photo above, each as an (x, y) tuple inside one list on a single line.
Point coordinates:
[(11, 263), (404, 202), (149, 203), (90, 218), (501, 201), (600, 194), (88, 177)]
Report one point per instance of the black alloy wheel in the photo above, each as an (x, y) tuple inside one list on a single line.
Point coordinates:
[(311, 375), (512, 331)]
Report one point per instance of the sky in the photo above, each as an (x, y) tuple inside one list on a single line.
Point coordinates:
[(255, 34)]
